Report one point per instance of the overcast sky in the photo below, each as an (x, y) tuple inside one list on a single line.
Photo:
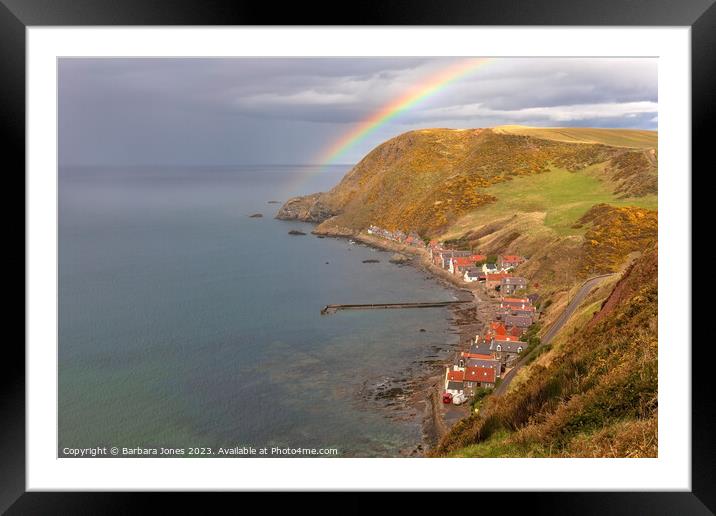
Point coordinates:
[(289, 111)]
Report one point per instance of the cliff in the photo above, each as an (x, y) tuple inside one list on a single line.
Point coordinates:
[(308, 208), (509, 189), (426, 180), (577, 202)]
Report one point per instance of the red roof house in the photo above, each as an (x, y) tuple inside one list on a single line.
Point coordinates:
[(498, 328), (481, 375), (506, 337), (507, 261), (516, 300), (515, 331), (493, 280), (465, 261), (456, 376)]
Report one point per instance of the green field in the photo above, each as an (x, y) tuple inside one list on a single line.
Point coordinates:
[(498, 445), (615, 137), (563, 196)]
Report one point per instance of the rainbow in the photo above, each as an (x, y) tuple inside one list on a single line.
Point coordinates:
[(422, 91), (388, 112)]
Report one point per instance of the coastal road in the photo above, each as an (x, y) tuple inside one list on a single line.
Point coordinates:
[(572, 306)]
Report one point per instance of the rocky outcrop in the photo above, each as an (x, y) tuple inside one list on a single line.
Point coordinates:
[(328, 228), (399, 258), (308, 208)]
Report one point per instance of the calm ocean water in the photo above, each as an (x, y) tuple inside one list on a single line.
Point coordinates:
[(183, 322)]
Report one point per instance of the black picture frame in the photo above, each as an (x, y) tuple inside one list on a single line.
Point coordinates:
[(16, 15)]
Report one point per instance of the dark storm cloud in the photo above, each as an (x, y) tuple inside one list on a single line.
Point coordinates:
[(221, 111)]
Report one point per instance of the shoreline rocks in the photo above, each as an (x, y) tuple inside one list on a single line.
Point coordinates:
[(421, 381), (399, 258), (308, 208)]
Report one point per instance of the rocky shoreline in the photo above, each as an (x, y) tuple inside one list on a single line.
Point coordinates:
[(466, 321), (418, 390)]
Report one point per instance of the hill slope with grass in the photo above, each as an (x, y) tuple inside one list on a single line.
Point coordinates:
[(426, 180), (577, 203), (509, 189), (592, 394)]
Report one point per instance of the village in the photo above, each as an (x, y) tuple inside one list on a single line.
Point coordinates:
[(479, 368)]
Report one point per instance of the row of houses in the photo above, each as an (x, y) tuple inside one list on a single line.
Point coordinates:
[(401, 237), (467, 265), (491, 355), (473, 267), (505, 283)]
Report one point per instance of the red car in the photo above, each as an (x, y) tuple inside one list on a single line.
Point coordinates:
[(447, 398)]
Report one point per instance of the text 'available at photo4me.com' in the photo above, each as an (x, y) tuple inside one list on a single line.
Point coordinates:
[(162, 451)]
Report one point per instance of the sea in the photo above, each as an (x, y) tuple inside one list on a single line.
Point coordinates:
[(184, 323)]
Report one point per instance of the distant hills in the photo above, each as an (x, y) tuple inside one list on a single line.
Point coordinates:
[(630, 138)]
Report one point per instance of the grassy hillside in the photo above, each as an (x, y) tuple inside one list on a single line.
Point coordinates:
[(563, 196), (505, 190), (594, 394), (577, 202), (613, 233), (426, 180), (569, 238)]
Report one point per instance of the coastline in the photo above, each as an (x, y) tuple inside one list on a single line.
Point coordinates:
[(466, 322)]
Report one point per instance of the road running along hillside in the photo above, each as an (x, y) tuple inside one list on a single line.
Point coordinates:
[(571, 307)]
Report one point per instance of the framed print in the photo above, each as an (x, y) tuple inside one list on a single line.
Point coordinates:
[(401, 252)]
